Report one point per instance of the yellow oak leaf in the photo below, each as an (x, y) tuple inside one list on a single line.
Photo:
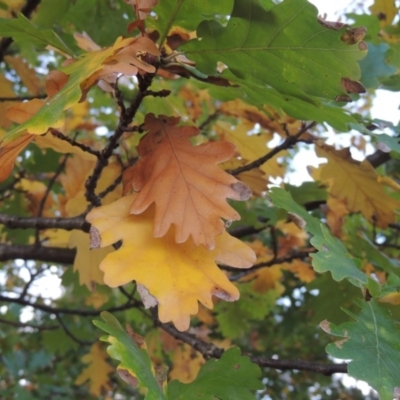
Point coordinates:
[(177, 275), (385, 10), (77, 170), (251, 147), (268, 118), (357, 184), (96, 299), (87, 260), (97, 371), (335, 216), (188, 188), (186, 363), (34, 193), (391, 298), (268, 278), (301, 269)]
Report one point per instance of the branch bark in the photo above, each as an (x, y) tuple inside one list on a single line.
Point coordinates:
[(209, 350), (58, 255)]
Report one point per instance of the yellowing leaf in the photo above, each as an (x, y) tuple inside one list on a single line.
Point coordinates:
[(77, 171), (186, 363), (87, 260), (392, 298), (189, 273), (96, 299), (188, 188), (301, 269), (385, 10), (357, 184), (97, 371), (125, 59), (268, 119)]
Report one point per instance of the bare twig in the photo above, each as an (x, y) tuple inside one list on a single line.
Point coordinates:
[(71, 335), (73, 142), (17, 324), (287, 143)]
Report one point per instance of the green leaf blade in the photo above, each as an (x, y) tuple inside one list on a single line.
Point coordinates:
[(232, 377)]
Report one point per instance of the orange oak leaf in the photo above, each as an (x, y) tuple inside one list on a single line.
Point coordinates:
[(126, 59), (177, 275), (188, 188), (9, 152), (357, 184)]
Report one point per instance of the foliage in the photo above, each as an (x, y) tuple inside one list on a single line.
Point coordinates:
[(146, 177)]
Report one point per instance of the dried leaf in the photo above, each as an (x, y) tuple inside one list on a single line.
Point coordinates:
[(357, 184), (184, 182)]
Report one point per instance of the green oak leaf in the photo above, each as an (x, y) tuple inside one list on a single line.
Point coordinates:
[(372, 343), (374, 66), (232, 377), (24, 31), (135, 361), (332, 255), (285, 48), (186, 14)]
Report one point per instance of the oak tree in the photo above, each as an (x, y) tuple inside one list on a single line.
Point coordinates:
[(147, 200)]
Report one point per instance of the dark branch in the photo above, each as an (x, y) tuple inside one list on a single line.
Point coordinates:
[(22, 98), (57, 255), (286, 144), (73, 142), (55, 310), (68, 224), (17, 324), (209, 350)]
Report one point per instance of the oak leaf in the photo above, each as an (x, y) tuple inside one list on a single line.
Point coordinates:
[(8, 154), (357, 184), (188, 188), (97, 371), (186, 363), (177, 275), (251, 147), (87, 260)]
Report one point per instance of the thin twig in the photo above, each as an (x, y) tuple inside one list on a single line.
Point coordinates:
[(17, 324), (73, 142), (288, 143), (71, 335)]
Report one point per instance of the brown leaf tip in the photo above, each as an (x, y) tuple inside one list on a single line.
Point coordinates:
[(128, 377), (297, 220), (222, 294), (242, 189), (351, 86), (147, 299), (95, 239)]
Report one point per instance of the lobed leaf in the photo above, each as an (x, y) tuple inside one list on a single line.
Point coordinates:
[(232, 377), (371, 342), (135, 364)]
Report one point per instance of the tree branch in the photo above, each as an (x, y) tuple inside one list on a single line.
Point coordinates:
[(58, 255), (17, 324), (288, 143), (26, 10), (68, 224), (209, 350), (55, 310)]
